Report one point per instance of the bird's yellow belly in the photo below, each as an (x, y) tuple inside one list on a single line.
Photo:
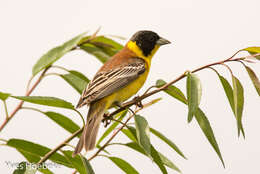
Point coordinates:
[(128, 91)]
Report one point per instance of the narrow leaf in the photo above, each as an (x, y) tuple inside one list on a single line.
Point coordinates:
[(23, 169), (112, 127), (167, 141), (163, 158), (76, 161), (143, 133), (254, 79), (63, 121), (157, 159), (172, 91), (37, 150), (253, 50), (88, 168), (122, 164), (48, 101), (79, 75), (193, 94), (32, 158), (95, 51), (129, 134), (238, 93), (4, 96), (77, 83), (208, 132), (56, 53)]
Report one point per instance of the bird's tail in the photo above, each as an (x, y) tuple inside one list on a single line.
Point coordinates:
[(89, 134)]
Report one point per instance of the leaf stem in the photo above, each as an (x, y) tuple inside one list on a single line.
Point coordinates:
[(83, 120), (6, 111)]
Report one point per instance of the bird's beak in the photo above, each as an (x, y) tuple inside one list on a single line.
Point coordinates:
[(162, 41)]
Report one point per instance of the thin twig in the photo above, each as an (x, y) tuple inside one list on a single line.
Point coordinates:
[(50, 153), (18, 107)]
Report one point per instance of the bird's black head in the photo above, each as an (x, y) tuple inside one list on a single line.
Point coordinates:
[(147, 40)]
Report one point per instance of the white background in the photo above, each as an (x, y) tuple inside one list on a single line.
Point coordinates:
[(201, 32)]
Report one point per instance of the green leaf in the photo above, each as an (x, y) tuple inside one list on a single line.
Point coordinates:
[(77, 83), (32, 158), (23, 169), (157, 159), (55, 54), (238, 93), (167, 141), (63, 121), (254, 79), (172, 91), (95, 51), (129, 134), (253, 50), (193, 94), (4, 96), (76, 161), (112, 127), (228, 91), (79, 75), (37, 150), (208, 132), (122, 164), (107, 41), (143, 133), (88, 168), (154, 154), (48, 101)]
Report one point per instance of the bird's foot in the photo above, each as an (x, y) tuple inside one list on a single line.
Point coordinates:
[(106, 120), (138, 103)]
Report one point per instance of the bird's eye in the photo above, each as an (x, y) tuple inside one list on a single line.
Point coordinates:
[(152, 39)]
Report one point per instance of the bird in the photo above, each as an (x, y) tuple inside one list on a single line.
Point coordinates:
[(117, 80)]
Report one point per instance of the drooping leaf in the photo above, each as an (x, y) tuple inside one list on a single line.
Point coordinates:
[(32, 158), (157, 159), (173, 91), (143, 133), (194, 92), (95, 51), (122, 164), (79, 75), (63, 121), (107, 41), (167, 141), (163, 158), (56, 53), (228, 91), (48, 101), (88, 167), (23, 169), (254, 79), (208, 132), (4, 96), (238, 93), (37, 150), (77, 83), (76, 161), (129, 134), (253, 50), (112, 127)]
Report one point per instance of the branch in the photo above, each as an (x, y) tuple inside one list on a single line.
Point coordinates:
[(19, 106), (126, 105)]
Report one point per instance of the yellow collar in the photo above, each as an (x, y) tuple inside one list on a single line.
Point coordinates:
[(133, 47)]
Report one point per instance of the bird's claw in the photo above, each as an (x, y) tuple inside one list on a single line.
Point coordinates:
[(138, 103), (106, 120)]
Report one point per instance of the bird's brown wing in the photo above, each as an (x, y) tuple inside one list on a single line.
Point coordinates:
[(106, 82)]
